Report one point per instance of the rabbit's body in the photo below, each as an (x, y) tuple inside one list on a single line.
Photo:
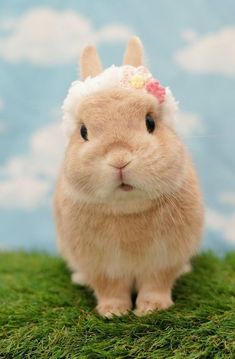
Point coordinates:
[(127, 204), (96, 242)]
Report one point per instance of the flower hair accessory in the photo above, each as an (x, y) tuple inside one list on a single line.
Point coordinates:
[(126, 76), (141, 78)]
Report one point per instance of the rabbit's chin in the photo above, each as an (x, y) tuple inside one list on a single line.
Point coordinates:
[(124, 198)]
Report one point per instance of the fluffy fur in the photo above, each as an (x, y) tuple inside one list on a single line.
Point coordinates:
[(115, 240)]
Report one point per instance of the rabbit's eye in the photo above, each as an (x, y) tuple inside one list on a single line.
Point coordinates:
[(83, 132), (150, 123)]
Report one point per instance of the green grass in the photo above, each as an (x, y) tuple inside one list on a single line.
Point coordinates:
[(42, 315)]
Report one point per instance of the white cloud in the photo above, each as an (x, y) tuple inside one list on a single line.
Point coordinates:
[(189, 35), (228, 198), (187, 123), (26, 180), (211, 53), (47, 36), (225, 224)]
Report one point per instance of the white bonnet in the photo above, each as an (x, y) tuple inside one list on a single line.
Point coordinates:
[(125, 76)]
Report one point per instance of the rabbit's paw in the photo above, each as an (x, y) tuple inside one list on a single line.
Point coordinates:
[(113, 307), (152, 302)]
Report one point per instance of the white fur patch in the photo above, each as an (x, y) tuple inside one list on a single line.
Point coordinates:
[(78, 278)]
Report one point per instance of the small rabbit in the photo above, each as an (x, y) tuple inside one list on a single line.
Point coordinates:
[(128, 207)]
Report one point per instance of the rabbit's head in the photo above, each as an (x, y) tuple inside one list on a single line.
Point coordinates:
[(122, 147)]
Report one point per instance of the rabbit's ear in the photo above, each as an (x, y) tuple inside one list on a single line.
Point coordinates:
[(90, 64), (134, 54)]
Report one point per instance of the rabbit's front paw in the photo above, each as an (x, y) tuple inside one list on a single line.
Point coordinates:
[(112, 307), (152, 302)]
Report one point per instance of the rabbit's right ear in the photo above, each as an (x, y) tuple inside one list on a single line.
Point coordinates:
[(90, 64), (134, 54)]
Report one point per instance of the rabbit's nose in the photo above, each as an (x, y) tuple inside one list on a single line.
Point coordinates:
[(120, 165), (119, 158)]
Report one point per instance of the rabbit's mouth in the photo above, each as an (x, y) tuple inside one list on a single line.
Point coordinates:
[(126, 187)]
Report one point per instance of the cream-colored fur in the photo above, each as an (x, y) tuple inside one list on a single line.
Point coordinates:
[(114, 240)]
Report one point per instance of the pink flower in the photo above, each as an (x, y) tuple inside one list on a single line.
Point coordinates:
[(154, 87)]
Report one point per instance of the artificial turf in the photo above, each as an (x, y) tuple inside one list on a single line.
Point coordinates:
[(42, 315)]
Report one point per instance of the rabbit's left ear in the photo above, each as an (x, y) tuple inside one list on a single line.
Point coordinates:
[(134, 54), (90, 64)]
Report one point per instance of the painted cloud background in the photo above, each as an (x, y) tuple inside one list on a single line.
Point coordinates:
[(39, 50)]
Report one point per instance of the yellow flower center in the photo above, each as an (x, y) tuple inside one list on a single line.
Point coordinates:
[(137, 81)]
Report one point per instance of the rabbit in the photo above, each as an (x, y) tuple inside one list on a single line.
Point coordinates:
[(128, 206)]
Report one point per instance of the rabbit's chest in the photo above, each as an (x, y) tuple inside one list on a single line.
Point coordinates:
[(128, 259), (124, 248)]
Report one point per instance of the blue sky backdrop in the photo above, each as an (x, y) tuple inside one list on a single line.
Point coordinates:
[(190, 46)]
